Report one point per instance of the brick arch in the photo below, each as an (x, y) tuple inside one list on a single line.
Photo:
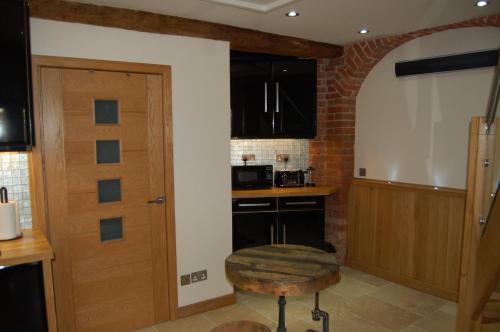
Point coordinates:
[(339, 82)]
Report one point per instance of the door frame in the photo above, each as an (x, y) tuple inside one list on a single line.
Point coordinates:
[(36, 165)]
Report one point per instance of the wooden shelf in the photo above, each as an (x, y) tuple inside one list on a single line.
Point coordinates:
[(31, 247), (283, 192)]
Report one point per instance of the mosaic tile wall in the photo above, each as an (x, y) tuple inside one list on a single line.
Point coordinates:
[(14, 176), (265, 151)]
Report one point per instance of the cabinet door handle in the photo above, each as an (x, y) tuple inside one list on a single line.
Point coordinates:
[(277, 97), (265, 97), (253, 204), (284, 233), (301, 203), (272, 234)]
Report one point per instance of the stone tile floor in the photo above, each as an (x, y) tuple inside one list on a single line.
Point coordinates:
[(359, 303)]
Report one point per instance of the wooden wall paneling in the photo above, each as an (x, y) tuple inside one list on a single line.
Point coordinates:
[(407, 230), (362, 231), (425, 237), (352, 240), (454, 243), (387, 244), (241, 39), (413, 233), (444, 223)]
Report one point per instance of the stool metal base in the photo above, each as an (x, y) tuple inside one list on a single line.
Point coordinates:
[(281, 320), (318, 314)]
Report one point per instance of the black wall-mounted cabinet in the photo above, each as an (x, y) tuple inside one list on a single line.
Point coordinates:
[(271, 220), (16, 111), (272, 96)]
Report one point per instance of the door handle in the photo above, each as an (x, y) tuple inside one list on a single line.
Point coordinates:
[(158, 200), (253, 204), (277, 97), (265, 97), (301, 203), (272, 234)]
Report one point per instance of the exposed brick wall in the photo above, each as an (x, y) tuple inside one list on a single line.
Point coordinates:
[(339, 81)]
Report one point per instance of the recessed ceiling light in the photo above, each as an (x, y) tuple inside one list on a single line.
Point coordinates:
[(482, 3), (292, 13), (363, 31)]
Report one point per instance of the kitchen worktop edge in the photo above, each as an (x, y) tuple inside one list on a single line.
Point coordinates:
[(284, 192)]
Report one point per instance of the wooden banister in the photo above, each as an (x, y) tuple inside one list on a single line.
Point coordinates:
[(488, 261), (472, 229)]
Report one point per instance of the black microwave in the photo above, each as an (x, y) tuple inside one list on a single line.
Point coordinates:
[(252, 177)]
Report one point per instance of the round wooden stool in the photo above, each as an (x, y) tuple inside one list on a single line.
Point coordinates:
[(241, 326), (284, 270)]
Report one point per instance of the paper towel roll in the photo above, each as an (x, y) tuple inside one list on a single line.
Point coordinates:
[(10, 226)]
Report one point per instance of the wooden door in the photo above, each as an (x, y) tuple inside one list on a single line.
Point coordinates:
[(103, 146)]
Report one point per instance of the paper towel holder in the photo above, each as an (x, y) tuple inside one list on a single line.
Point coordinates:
[(10, 226), (4, 196)]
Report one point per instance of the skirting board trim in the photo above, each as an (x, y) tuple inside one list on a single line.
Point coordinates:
[(199, 307)]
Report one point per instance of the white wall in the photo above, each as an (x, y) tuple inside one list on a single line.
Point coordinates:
[(415, 129), (201, 121)]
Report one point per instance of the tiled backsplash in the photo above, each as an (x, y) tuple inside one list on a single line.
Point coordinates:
[(265, 151), (14, 176)]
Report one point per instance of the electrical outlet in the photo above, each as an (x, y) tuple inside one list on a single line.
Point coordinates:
[(199, 276), (185, 279), (282, 157), (362, 172)]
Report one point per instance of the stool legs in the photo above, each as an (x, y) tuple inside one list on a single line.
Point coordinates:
[(318, 314), (281, 322)]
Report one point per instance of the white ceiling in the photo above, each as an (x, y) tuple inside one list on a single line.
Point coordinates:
[(330, 21)]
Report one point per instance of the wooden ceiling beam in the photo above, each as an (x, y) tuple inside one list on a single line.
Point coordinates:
[(239, 38)]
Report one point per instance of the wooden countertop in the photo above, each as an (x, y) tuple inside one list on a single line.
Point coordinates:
[(31, 247), (282, 192)]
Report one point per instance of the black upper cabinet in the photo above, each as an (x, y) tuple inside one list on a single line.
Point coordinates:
[(295, 99), (272, 97), (251, 115), (15, 82)]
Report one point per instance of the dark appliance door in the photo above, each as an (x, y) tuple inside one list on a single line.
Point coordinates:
[(22, 304), (15, 81), (294, 98), (252, 177), (251, 115)]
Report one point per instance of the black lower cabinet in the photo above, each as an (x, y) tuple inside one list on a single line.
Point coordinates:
[(302, 227), (22, 301), (253, 229), (290, 220)]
